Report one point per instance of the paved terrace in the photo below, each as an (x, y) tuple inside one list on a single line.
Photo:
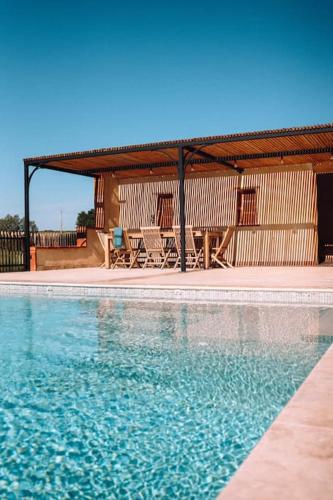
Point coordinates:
[(241, 277)]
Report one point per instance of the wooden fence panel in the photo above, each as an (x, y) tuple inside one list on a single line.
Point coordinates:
[(11, 251)]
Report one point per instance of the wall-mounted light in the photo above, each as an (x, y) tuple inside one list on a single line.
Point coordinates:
[(192, 168), (331, 157), (235, 164), (281, 160), (113, 175), (151, 171)]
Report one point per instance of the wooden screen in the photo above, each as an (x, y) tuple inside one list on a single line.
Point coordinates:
[(164, 211), (247, 207), (99, 203)]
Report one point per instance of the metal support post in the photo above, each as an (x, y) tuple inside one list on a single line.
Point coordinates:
[(26, 219), (181, 177)]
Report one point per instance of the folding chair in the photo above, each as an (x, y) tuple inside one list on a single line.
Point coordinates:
[(192, 254), (103, 241), (126, 256), (218, 253), (156, 254)]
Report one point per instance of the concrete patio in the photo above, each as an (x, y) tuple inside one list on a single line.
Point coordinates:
[(306, 278)]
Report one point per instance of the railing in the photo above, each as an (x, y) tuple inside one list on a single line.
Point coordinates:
[(11, 251), (12, 245), (53, 239)]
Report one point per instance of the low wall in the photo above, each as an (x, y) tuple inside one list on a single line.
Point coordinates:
[(91, 255)]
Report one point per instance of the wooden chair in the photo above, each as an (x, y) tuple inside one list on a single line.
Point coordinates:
[(125, 256), (156, 254), (192, 254), (218, 253), (103, 241)]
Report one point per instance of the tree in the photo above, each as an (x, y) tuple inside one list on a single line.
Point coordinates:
[(86, 219), (15, 223), (32, 224), (10, 223)]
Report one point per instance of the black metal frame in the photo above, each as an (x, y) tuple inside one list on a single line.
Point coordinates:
[(27, 179), (182, 215), (208, 159)]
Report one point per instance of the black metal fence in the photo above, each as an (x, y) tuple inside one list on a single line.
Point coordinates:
[(12, 252)]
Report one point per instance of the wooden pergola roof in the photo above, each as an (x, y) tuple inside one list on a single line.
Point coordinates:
[(311, 144)]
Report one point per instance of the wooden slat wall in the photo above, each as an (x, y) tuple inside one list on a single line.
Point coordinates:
[(214, 205), (283, 198), (270, 247)]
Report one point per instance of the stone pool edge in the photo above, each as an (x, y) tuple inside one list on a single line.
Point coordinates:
[(294, 458), (300, 296)]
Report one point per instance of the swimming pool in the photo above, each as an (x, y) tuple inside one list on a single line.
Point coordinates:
[(108, 399)]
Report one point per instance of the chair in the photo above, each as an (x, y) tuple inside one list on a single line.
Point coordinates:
[(218, 253), (103, 241), (156, 254), (192, 254), (126, 255)]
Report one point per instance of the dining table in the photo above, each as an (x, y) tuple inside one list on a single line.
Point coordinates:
[(207, 235)]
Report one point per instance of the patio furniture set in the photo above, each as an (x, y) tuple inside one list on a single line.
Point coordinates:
[(161, 248)]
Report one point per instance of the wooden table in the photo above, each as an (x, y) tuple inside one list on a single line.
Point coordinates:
[(206, 234)]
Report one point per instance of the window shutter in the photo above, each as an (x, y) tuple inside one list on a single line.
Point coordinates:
[(164, 212), (247, 207), (99, 203)]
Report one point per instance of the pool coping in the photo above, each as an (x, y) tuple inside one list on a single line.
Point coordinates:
[(306, 296), (294, 458)]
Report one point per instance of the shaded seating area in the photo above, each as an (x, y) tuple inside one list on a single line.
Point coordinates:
[(270, 185), (152, 246)]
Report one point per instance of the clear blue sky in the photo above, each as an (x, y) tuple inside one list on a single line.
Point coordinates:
[(80, 74)]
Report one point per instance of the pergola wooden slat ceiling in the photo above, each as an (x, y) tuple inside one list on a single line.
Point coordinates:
[(311, 144)]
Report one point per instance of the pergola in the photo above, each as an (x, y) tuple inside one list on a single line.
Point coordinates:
[(234, 153)]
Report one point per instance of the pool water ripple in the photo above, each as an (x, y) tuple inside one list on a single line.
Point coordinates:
[(108, 399)]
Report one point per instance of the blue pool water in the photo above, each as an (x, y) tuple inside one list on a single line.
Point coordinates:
[(106, 399)]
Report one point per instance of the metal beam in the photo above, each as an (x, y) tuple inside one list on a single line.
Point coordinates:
[(202, 161), (214, 159), (278, 154), (65, 170), (134, 166), (182, 215), (195, 161)]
